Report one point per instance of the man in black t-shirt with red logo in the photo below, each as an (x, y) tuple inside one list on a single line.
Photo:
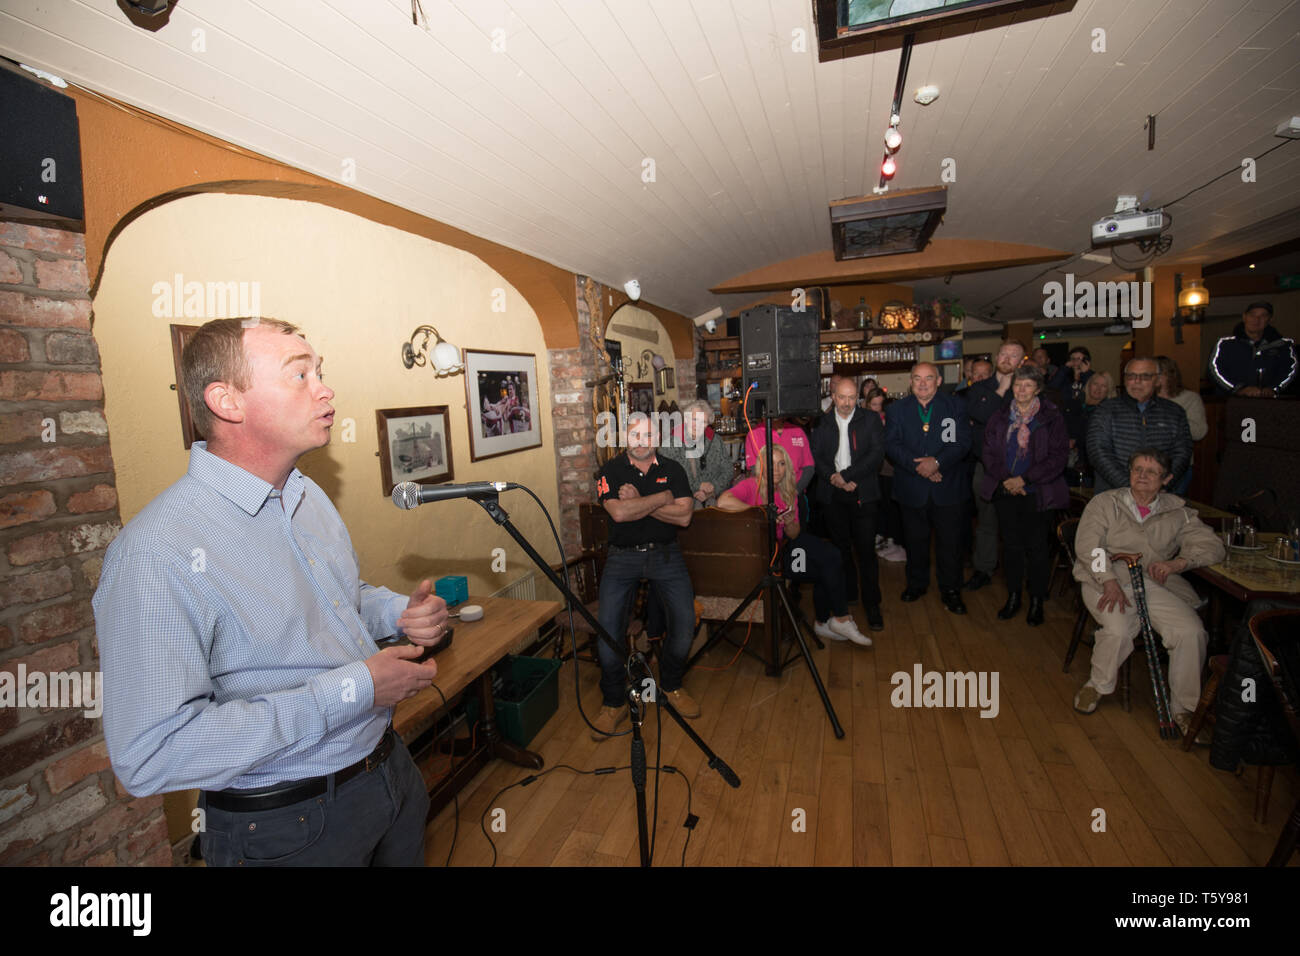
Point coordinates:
[(647, 499)]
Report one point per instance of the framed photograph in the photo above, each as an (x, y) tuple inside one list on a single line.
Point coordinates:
[(663, 380), (413, 446), (501, 402), (640, 398)]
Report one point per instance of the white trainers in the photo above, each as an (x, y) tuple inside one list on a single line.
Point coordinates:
[(893, 552), (848, 631), (822, 631)]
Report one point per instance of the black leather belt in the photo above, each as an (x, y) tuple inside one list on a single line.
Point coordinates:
[(285, 794), (651, 546)]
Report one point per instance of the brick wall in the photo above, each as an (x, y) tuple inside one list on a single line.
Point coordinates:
[(575, 433), (59, 800)]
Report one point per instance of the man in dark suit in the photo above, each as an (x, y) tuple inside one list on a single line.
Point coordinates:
[(927, 436), (848, 447), (983, 400)]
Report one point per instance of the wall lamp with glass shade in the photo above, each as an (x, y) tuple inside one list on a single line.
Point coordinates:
[(1192, 298), (649, 361), (445, 358)]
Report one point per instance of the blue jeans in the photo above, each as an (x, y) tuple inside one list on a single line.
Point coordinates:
[(1180, 487), (375, 819), (665, 569)]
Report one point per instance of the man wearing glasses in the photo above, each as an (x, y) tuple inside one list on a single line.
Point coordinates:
[(1137, 419)]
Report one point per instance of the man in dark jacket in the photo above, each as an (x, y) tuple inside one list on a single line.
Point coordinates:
[(984, 400), (927, 436), (1137, 419), (1255, 360), (848, 447), (1072, 378)]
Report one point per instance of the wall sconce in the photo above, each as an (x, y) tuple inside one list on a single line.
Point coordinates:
[(649, 360), (1192, 299), (445, 360)]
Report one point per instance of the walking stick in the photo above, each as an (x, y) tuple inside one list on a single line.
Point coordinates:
[(1159, 686)]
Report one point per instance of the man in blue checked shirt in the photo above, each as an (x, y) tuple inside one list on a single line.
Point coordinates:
[(238, 641)]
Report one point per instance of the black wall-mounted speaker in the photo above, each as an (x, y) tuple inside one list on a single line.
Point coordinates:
[(40, 152)]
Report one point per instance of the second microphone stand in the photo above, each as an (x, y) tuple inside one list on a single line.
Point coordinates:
[(772, 585)]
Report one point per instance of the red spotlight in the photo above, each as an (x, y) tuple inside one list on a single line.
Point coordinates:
[(888, 167)]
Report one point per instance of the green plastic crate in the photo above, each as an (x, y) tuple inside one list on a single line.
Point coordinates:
[(519, 721)]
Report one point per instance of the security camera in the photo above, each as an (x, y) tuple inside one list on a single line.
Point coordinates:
[(709, 320), (633, 289)]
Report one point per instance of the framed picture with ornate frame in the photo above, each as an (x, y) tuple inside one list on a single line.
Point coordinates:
[(501, 403), (414, 445), (641, 398)]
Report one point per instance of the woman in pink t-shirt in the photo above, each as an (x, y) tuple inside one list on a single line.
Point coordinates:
[(803, 555), (793, 439)]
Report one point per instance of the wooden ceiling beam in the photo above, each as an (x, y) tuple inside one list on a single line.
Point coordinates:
[(939, 258)]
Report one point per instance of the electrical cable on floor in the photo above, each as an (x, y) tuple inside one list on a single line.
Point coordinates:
[(691, 819), (573, 634), (433, 744)]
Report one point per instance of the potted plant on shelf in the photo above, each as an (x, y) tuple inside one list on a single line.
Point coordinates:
[(946, 313)]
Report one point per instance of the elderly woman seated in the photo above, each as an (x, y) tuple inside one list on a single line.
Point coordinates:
[(702, 453), (803, 555), (1170, 538)]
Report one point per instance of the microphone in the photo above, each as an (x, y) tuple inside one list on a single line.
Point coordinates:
[(409, 494)]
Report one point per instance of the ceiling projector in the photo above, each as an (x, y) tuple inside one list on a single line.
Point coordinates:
[(1128, 226)]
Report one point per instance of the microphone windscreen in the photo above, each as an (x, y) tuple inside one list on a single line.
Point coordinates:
[(406, 495)]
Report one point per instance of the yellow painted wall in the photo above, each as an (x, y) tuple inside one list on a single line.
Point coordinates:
[(638, 318), (357, 289)]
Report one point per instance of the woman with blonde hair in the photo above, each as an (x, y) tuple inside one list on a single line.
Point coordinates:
[(1169, 384), (1078, 413), (804, 556)]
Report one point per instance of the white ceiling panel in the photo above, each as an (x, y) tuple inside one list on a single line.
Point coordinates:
[(527, 121)]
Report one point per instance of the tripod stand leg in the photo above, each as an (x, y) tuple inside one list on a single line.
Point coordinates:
[(808, 658), (722, 628)]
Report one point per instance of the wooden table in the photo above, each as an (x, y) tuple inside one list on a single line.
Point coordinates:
[(1247, 576), (467, 665)]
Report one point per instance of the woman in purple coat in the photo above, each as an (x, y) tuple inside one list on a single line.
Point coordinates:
[(1025, 448)]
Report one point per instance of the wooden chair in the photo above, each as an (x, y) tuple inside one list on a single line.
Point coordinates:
[(1276, 636), (1062, 557), (1205, 713), (1065, 532)]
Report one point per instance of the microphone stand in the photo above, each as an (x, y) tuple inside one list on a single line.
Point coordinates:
[(638, 671)]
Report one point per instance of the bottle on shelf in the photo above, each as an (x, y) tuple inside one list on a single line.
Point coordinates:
[(862, 314)]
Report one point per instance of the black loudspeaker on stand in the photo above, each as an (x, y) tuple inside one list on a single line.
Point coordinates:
[(779, 348)]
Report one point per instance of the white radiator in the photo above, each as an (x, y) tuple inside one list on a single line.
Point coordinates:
[(521, 589)]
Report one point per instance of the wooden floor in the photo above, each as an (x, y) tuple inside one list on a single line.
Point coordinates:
[(906, 786)]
